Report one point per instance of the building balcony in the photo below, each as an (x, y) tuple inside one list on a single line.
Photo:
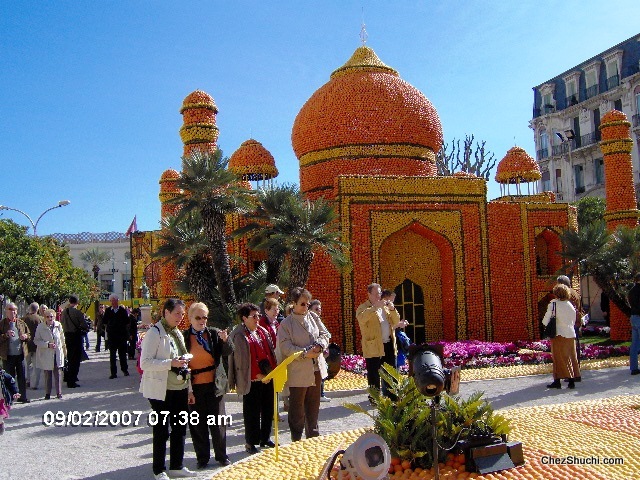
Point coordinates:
[(613, 82), (560, 149), (592, 91), (542, 153), (586, 140), (548, 109), (572, 100)]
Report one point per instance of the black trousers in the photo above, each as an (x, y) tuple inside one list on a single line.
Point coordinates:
[(174, 402), (257, 410), (15, 368), (98, 340), (374, 364), (207, 404), (74, 355), (121, 348)]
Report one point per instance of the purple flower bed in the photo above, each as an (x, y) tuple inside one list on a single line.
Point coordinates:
[(477, 354)]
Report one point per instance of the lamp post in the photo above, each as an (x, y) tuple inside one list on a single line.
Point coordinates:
[(61, 203)]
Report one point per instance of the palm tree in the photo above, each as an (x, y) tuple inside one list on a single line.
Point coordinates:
[(299, 229), (212, 192), (95, 257), (272, 202), (183, 242), (612, 259)]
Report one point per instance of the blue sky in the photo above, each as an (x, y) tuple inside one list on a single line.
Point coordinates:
[(90, 91)]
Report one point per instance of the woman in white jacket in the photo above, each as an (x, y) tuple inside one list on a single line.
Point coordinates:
[(563, 345), (50, 352), (162, 354)]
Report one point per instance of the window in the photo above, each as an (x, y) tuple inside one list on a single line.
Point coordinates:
[(546, 181), (617, 104), (578, 172), (572, 93), (592, 83), (613, 79), (547, 103), (558, 180), (543, 151), (598, 165)]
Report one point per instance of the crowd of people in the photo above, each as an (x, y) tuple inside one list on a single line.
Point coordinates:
[(190, 371)]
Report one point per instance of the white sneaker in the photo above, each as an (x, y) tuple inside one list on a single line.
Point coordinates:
[(162, 476), (184, 472), (325, 399)]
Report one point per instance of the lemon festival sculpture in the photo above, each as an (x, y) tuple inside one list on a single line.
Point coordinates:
[(463, 267)]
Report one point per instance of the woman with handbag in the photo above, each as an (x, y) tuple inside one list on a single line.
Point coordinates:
[(303, 331), (50, 352), (563, 349), (252, 359)]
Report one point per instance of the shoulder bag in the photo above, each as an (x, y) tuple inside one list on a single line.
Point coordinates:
[(550, 329)]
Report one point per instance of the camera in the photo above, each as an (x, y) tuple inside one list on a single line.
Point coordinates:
[(183, 372)]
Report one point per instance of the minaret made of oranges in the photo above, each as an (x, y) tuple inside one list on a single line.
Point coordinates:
[(621, 206)]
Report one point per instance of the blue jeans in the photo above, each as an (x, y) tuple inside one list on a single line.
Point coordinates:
[(635, 342)]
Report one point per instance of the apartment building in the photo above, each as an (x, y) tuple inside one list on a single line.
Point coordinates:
[(566, 115)]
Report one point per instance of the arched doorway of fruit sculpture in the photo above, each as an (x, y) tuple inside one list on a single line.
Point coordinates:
[(417, 263)]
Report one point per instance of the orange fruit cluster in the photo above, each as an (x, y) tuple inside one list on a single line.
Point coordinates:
[(199, 130), (517, 166), (251, 161), (365, 120)]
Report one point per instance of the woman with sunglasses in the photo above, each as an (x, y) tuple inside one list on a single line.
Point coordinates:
[(50, 351), (303, 331), (252, 359), (208, 384)]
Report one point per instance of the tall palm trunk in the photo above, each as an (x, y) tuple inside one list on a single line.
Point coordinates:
[(300, 267), (274, 264), (215, 226)]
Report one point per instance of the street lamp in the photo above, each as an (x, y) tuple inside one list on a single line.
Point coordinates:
[(61, 203)]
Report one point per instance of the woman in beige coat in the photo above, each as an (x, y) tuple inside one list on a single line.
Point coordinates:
[(303, 331), (50, 352)]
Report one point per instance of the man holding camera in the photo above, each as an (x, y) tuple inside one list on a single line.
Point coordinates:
[(116, 320), (378, 320)]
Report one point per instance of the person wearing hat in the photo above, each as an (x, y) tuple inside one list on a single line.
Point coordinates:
[(634, 303), (272, 291)]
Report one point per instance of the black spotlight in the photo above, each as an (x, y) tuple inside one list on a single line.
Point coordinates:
[(426, 366)]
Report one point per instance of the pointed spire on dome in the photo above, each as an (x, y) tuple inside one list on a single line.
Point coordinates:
[(364, 59)]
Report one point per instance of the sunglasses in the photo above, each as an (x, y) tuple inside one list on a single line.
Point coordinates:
[(255, 315), (199, 319), (48, 316)]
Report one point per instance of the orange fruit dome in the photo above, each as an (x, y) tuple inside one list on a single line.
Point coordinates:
[(198, 99), (365, 120), (517, 166), (253, 162)]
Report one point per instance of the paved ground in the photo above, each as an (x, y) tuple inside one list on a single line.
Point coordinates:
[(30, 450)]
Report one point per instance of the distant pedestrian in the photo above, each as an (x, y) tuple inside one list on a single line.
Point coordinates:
[(14, 335), (634, 302), (162, 354), (116, 320), (8, 393), (316, 307), (99, 328), (49, 339), (73, 323), (32, 369)]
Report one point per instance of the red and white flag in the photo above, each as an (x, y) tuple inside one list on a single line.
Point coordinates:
[(133, 227)]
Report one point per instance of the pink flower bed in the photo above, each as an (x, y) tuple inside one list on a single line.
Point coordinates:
[(477, 354)]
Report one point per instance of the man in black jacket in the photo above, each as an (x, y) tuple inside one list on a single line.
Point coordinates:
[(73, 323), (116, 320)]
